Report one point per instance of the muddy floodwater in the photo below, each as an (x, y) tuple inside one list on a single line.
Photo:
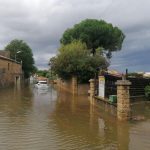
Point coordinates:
[(32, 119)]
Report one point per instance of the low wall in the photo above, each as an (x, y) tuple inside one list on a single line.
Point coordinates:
[(83, 89), (67, 85)]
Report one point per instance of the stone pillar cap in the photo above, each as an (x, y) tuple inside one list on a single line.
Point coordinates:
[(91, 80), (123, 82)]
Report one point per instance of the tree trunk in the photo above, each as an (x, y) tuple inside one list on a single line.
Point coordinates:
[(93, 51)]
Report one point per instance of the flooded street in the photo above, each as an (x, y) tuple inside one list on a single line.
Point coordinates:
[(31, 119)]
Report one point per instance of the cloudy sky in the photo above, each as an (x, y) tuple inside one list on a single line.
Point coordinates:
[(41, 24)]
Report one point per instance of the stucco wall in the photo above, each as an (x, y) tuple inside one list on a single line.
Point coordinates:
[(82, 89), (9, 71)]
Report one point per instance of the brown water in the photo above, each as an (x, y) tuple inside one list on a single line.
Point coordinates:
[(51, 120)]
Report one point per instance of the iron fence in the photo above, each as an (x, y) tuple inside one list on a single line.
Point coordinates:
[(136, 89)]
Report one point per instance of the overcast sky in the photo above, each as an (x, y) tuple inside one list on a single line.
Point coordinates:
[(41, 24)]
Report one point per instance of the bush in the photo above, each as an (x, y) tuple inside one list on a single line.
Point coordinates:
[(147, 91)]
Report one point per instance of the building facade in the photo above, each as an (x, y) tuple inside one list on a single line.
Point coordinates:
[(10, 72)]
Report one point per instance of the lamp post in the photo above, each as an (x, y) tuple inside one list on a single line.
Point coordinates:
[(16, 54)]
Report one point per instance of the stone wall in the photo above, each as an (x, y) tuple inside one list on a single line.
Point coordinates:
[(10, 71)]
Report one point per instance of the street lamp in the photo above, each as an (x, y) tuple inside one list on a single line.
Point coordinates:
[(16, 54)]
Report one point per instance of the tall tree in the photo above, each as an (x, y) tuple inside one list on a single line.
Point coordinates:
[(95, 33), (20, 51)]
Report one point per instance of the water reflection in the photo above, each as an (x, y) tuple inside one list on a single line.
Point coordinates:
[(48, 119), (12, 101), (76, 118)]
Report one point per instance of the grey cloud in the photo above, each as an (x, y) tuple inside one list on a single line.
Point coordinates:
[(41, 25)]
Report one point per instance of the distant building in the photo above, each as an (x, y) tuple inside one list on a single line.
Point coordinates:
[(114, 73), (42, 78), (147, 74)]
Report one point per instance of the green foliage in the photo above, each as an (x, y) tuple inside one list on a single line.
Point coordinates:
[(34, 69), (95, 33), (43, 73), (25, 55), (74, 60), (147, 91)]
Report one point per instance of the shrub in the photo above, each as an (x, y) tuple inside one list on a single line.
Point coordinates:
[(147, 91)]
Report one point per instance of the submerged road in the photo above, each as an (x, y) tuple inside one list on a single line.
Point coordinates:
[(32, 119)]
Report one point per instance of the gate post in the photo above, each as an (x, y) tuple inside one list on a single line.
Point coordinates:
[(123, 100), (92, 89), (74, 85)]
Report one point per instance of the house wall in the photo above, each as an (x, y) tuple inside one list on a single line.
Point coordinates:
[(10, 72)]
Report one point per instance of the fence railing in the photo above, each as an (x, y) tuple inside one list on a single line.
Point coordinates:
[(136, 88)]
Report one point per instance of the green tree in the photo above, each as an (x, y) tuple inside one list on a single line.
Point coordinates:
[(74, 60), (34, 69), (43, 73), (20, 51), (147, 91), (95, 33)]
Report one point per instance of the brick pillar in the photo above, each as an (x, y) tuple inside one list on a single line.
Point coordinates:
[(74, 85), (123, 99), (92, 89)]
